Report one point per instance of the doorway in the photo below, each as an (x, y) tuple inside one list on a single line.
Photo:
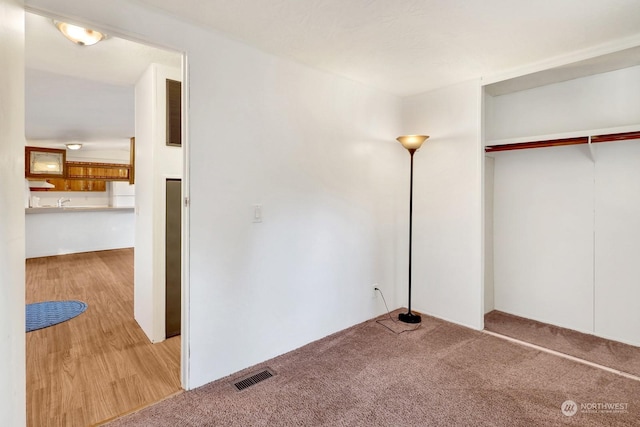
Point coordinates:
[(99, 132)]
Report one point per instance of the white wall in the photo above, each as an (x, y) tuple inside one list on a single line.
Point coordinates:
[(68, 232), (489, 168), (144, 273), (567, 237), (448, 249), (155, 162), (12, 278), (100, 156), (77, 198), (594, 102), (318, 153), (617, 241), (543, 235)]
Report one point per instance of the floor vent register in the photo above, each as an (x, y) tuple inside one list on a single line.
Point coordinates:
[(253, 379)]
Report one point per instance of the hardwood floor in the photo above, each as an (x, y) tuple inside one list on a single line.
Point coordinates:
[(100, 364)]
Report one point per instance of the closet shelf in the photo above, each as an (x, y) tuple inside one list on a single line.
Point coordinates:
[(620, 133)]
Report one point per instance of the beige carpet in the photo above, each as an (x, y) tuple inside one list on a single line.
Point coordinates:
[(440, 374), (615, 355)]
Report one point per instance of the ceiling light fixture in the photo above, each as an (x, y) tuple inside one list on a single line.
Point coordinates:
[(79, 35), (74, 146)]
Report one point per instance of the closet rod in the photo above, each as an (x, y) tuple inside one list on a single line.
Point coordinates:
[(623, 136)]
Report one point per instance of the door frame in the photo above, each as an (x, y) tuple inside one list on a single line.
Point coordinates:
[(185, 329)]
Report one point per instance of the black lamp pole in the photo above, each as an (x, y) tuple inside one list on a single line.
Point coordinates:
[(411, 143)]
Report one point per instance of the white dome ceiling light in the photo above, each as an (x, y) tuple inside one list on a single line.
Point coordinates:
[(79, 35)]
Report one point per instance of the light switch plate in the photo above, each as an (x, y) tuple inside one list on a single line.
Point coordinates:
[(257, 213)]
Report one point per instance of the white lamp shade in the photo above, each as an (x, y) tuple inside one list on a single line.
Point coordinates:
[(412, 142)]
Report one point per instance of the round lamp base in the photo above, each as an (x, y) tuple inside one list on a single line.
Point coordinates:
[(409, 317)]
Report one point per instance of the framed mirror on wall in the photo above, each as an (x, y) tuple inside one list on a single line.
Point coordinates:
[(44, 162)]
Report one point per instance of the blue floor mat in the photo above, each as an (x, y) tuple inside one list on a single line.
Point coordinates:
[(44, 314)]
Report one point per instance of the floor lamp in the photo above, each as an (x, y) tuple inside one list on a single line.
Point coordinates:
[(411, 143)]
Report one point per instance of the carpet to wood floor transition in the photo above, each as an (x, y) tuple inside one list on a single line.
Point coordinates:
[(440, 374)]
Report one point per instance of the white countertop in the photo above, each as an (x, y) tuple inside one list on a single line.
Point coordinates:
[(67, 209)]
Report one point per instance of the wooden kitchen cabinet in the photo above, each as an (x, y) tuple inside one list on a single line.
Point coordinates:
[(88, 176), (74, 185), (84, 185), (98, 171)]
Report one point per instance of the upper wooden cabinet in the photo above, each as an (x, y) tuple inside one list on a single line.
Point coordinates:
[(44, 162), (51, 164), (98, 171)]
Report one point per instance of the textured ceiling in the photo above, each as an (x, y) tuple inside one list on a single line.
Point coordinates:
[(399, 46), (410, 46)]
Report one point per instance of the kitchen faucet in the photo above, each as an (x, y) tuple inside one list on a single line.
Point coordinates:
[(62, 201)]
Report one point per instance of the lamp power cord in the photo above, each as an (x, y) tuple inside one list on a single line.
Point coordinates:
[(378, 321)]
